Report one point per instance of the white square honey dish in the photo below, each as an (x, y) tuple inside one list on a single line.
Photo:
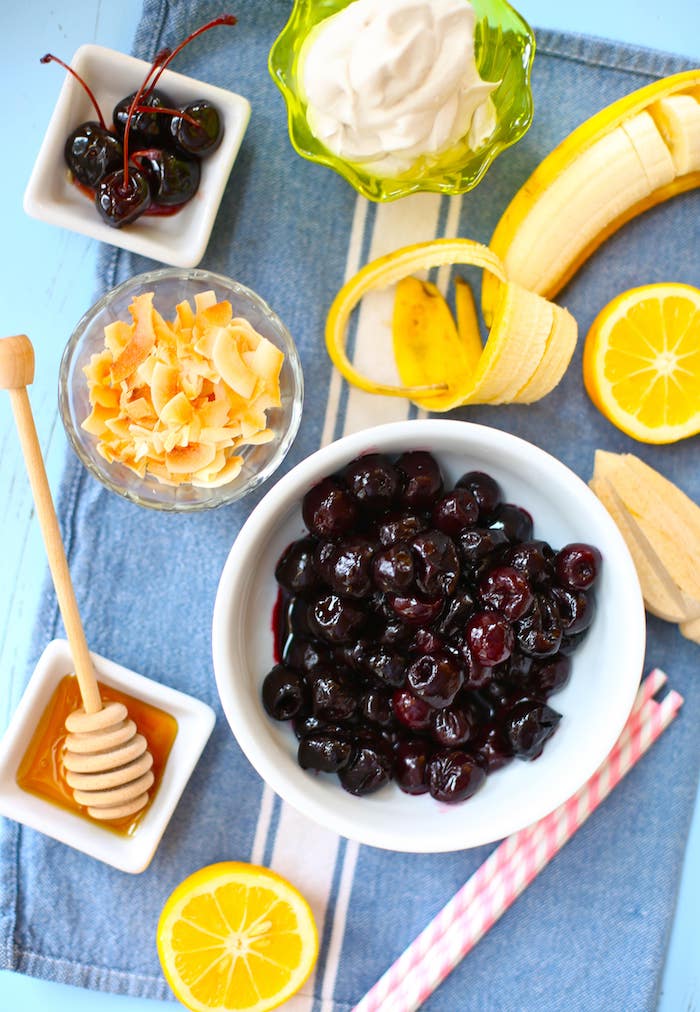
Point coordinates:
[(130, 853), (178, 239)]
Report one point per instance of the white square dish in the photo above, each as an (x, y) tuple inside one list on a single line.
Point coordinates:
[(179, 239), (195, 721)]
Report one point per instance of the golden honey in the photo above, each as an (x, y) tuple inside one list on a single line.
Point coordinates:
[(42, 772)]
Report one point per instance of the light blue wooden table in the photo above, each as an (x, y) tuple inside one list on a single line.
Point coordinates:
[(46, 284)]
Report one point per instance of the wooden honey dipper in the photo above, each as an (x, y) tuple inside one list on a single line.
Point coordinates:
[(108, 764)]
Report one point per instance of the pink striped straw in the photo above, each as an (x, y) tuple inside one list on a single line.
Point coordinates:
[(476, 907)]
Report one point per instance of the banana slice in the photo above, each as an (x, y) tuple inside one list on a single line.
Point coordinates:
[(521, 326), (561, 344), (678, 119), (653, 154)]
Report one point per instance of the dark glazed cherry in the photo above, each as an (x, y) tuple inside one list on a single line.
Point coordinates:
[(295, 570), (477, 545), (491, 749), (376, 708), (436, 563), (425, 641), (335, 619), (507, 591), (455, 511), (346, 566), (549, 676), (332, 696), (325, 750), (414, 609), (452, 726), (401, 527), (369, 769), (539, 633), (392, 569), (490, 638), (394, 633), (529, 725), (459, 608), (92, 152), (148, 129), (120, 202), (435, 678), (576, 609), (577, 566), (304, 724), (422, 479), (173, 180), (410, 765), (453, 776), (284, 692), (374, 482), (534, 559), (329, 510), (386, 666), (514, 521), (484, 488), (569, 644), (306, 654), (412, 712), (199, 130)]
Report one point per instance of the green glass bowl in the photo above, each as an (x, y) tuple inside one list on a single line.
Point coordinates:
[(505, 47)]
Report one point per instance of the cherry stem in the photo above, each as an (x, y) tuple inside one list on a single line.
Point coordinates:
[(172, 112), (134, 103), (50, 58), (225, 19)]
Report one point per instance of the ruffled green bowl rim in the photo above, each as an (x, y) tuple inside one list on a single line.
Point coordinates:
[(504, 48)]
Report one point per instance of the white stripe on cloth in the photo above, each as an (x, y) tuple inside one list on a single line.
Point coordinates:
[(302, 851)]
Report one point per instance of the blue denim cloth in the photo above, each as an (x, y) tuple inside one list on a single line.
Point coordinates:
[(590, 933)]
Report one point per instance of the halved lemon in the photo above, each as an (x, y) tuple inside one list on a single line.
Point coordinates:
[(641, 362), (236, 937)]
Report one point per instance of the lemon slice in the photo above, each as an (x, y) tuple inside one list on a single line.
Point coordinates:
[(236, 937), (641, 362)]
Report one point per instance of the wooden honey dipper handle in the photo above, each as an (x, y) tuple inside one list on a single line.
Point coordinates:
[(16, 373)]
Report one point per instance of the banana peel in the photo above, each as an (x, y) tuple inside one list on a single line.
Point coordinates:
[(634, 154), (661, 527), (441, 366)]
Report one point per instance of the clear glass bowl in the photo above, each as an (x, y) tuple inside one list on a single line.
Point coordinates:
[(504, 46), (172, 285)]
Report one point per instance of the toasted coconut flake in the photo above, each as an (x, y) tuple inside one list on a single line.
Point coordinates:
[(186, 459), (142, 339)]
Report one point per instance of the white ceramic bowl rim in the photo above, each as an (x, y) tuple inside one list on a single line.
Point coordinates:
[(362, 818)]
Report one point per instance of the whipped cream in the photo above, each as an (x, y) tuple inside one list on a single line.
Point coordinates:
[(388, 82)]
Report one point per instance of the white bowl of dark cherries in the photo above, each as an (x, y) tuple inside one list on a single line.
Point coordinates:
[(428, 635), (145, 166)]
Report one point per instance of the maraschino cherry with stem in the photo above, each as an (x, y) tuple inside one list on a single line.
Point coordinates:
[(91, 150)]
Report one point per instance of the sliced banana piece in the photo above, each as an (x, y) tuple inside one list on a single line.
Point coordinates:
[(653, 154), (599, 186), (519, 333), (678, 119), (560, 347)]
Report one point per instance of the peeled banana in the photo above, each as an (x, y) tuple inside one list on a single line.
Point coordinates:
[(631, 155)]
